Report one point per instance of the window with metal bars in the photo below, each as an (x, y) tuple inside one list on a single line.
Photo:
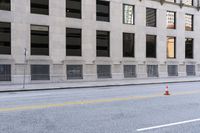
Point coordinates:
[(74, 72), (150, 17), (5, 5), (5, 72), (129, 71), (172, 70), (190, 70), (40, 72), (152, 70), (104, 71)]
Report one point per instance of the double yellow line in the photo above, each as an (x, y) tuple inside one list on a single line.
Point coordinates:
[(84, 102)]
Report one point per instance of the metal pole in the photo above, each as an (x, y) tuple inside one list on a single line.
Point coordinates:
[(24, 80)]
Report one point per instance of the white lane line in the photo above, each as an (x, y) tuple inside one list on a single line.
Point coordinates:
[(168, 125)]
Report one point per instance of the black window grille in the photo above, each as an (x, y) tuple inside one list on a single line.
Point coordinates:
[(172, 70), (129, 71), (103, 71), (40, 72), (74, 72), (152, 70), (190, 69), (5, 72)]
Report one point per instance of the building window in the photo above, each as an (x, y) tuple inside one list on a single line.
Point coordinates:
[(128, 14), (173, 1), (73, 8), (171, 47), (74, 72), (172, 70), (188, 2), (39, 40), (40, 7), (171, 20), (103, 43), (5, 5), (128, 45), (129, 71), (189, 48), (5, 38), (188, 22), (40, 72), (190, 70), (103, 71), (151, 46), (152, 70), (5, 72), (151, 17), (103, 10), (73, 42)]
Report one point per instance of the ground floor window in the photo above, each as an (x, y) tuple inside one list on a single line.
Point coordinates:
[(5, 72), (129, 71), (190, 70), (104, 71), (74, 72), (152, 70), (40, 72), (172, 70)]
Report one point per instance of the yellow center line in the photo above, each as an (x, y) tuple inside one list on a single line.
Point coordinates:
[(97, 101)]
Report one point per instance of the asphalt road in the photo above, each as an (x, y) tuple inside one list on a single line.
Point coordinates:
[(123, 109)]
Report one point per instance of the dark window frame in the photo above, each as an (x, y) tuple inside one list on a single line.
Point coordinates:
[(188, 55), (128, 74), (6, 74), (133, 50), (155, 42), (38, 77), (148, 25), (7, 8), (76, 17), (103, 1), (37, 12)]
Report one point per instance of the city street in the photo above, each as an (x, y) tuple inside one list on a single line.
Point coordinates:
[(119, 109)]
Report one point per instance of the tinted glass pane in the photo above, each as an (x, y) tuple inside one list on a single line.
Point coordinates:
[(151, 17), (5, 72), (5, 5), (129, 71), (172, 70), (40, 72), (152, 70), (73, 8), (73, 42), (189, 48), (103, 71), (103, 40), (151, 46), (40, 6), (128, 14), (171, 47), (5, 38), (103, 10), (74, 72), (39, 40), (188, 22), (128, 45), (171, 20)]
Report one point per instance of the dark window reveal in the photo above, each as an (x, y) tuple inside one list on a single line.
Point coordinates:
[(103, 10), (40, 7), (103, 42), (73, 42), (128, 45), (5, 38), (151, 17), (189, 48), (40, 72), (172, 70), (152, 70), (151, 46), (73, 8), (103, 71), (129, 71), (5, 72), (74, 72), (190, 70), (39, 40), (5, 5)]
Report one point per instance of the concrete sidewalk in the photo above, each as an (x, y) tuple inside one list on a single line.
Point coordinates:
[(87, 84)]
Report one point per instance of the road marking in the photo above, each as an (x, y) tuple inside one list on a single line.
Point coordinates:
[(96, 101), (168, 125)]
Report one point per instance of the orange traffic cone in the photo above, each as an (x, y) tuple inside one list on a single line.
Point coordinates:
[(167, 91)]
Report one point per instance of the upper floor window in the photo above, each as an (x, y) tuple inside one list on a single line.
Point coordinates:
[(171, 47), (189, 48), (5, 38), (151, 46), (73, 8), (173, 1), (5, 5), (40, 7), (188, 2), (128, 44), (103, 10), (128, 14), (188, 22), (151, 17), (171, 20)]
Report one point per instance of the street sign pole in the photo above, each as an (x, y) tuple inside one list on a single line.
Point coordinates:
[(24, 79)]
